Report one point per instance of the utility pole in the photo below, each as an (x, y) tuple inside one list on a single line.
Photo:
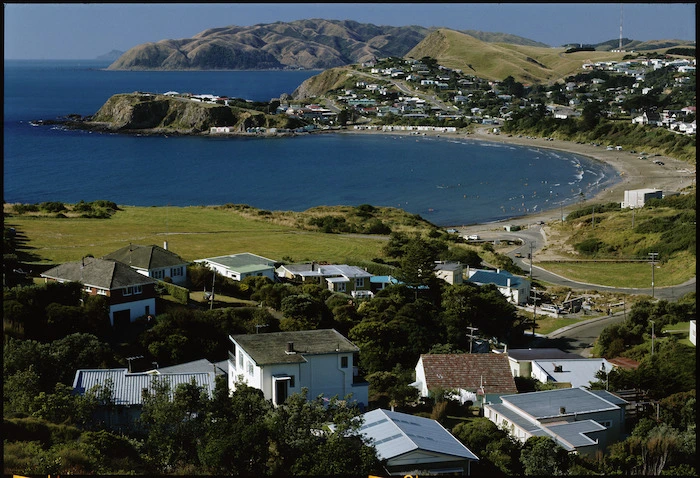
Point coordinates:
[(213, 279), (471, 336), (534, 312), (654, 257), (530, 257), (652, 337)]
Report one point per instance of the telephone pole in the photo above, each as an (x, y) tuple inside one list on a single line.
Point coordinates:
[(653, 256)]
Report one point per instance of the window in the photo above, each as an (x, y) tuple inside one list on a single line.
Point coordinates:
[(360, 282), (343, 362), (128, 291), (138, 289), (159, 274), (176, 271), (250, 369), (606, 423), (341, 287), (240, 361), (101, 292)]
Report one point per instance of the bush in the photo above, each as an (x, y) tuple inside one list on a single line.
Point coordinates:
[(589, 246)]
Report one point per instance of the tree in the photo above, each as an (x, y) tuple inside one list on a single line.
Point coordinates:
[(590, 116), (542, 456), (236, 441), (417, 264), (392, 388)]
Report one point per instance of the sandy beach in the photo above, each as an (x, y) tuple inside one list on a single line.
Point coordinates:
[(634, 173)]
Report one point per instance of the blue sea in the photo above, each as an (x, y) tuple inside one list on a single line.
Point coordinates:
[(449, 180)]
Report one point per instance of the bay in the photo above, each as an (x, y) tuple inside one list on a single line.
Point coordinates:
[(448, 180)]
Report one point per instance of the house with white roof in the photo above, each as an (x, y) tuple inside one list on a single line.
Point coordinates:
[(579, 420), (571, 373), (636, 198), (521, 360), (450, 272), (240, 266), (343, 278), (515, 289), (412, 445), (282, 363)]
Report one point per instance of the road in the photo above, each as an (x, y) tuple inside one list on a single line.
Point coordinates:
[(579, 338), (533, 236)]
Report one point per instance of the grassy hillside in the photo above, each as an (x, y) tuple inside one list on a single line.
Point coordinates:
[(496, 61)]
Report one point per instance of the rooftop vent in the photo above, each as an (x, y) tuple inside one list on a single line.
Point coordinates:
[(558, 368), (562, 410)]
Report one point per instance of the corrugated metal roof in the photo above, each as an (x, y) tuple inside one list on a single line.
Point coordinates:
[(542, 354), (395, 433), (573, 433), (237, 261), (271, 348), (128, 387)]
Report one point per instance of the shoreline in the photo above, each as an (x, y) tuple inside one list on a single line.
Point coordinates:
[(632, 172)]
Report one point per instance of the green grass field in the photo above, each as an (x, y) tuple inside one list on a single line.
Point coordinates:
[(191, 232)]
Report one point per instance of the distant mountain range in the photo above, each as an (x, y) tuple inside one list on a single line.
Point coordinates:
[(307, 44), (111, 56), (319, 44)]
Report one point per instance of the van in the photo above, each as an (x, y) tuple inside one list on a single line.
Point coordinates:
[(473, 237)]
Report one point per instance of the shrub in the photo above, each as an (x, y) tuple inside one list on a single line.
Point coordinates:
[(589, 246)]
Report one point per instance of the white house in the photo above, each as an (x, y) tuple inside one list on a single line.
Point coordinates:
[(153, 261), (240, 266), (282, 363), (515, 289), (412, 445), (343, 278), (693, 333), (450, 272), (572, 373), (579, 420), (521, 360), (636, 198)]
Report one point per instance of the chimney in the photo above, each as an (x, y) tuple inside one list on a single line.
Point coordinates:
[(508, 282), (290, 347), (558, 368), (165, 245), (562, 410)]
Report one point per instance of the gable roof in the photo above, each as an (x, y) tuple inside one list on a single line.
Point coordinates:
[(499, 278), (100, 273), (128, 387), (395, 434), (146, 257), (271, 348), (469, 372)]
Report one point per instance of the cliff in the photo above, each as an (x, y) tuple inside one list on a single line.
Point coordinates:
[(152, 113)]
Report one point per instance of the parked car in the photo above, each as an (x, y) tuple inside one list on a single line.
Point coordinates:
[(473, 237), (518, 254)]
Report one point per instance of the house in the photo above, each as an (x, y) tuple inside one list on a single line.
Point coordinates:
[(520, 360), (515, 289), (636, 198), (570, 373), (450, 272), (415, 446), (648, 118), (153, 261), (130, 295), (282, 363), (240, 266), (127, 391), (579, 420), (479, 378), (378, 283), (337, 278), (195, 366)]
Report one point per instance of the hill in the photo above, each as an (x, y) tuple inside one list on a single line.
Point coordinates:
[(495, 61), (309, 44)]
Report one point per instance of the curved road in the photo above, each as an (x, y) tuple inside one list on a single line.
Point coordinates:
[(534, 235)]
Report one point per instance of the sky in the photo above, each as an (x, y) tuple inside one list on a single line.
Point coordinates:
[(87, 30)]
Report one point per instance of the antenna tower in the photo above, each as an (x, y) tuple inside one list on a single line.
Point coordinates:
[(620, 27)]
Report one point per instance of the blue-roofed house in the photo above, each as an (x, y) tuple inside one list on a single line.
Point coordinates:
[(127, 391), (516, 289), (240, 266), (378, 283), (411, 445), (579, 420)]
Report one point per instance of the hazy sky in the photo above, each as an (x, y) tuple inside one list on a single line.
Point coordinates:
[(87, 30)]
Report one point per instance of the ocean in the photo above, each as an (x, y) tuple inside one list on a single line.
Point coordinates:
[(449, 180)]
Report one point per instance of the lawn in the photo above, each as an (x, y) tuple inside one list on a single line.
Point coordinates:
[(191, 232)]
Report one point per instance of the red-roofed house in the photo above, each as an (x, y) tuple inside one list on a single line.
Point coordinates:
[(480, 378)]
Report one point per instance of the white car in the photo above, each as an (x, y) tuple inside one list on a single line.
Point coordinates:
[(473, 237)]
